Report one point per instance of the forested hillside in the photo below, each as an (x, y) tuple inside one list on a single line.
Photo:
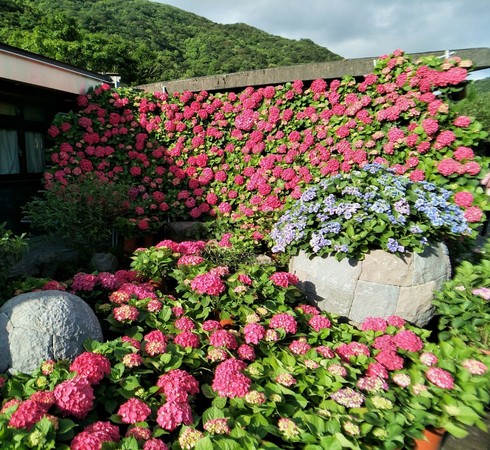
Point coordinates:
[(145, 41)]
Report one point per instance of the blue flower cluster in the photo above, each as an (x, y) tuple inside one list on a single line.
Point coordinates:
[(366, 209)]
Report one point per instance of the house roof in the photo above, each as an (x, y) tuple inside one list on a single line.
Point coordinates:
[(30, 68)]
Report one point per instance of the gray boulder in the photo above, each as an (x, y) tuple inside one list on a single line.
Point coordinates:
[(37, 326)]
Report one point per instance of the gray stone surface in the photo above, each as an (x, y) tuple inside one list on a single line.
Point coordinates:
[(373, 300), (426, 270), (415, 303), (380, 285), (386, 268), (44, 325), (104, 262)]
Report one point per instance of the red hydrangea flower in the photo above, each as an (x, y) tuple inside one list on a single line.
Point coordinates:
[(208, 283), (75, 397), (318, 322), (285, 321), (134, 410), (253, 333), (92, 366), (408, 340), (229, 381)]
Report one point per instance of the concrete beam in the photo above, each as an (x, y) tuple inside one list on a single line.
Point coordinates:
[(307, 72)]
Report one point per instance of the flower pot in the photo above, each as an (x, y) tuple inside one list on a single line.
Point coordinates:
[(381, 285), (129, 245), (148, 240), (432, 439)]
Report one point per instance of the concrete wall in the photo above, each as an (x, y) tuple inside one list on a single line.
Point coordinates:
[(306, 72)]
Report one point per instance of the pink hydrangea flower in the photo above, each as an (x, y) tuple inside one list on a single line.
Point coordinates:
[(75, 397), (463, 199), (134, 410), (285, 321), (286, 379), (140, 433), (319, 322), (299, 346), (325, 351), (246, 352), (187, 339), (155, 444), (473, 214), (284, 279), (253, 333), (408, 340), (92, 366), (428, 358), (402, 379), (125, 313), (208, 283), (395, 321), (217, 426), (374, 324), (390, 360), (229, 381), (28, 413), (348, 397), (223, 338), (440, 377), (474, 366), (172, 414)]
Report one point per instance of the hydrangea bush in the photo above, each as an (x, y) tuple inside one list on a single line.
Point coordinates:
[(348, 215), (272, 373), (242, 155)]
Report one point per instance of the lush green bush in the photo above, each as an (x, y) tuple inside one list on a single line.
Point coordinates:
[(11, 249), (463, 305), (236, 359), (83, 213)]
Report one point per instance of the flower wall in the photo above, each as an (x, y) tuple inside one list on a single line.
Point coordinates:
[(242, 155)]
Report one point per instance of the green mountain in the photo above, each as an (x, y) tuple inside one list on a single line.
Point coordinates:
[(145, 41)]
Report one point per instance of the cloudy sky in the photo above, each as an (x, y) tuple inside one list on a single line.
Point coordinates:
[(359, 28)]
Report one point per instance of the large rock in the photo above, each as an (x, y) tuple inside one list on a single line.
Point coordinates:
[(381, 285), (44, 325)]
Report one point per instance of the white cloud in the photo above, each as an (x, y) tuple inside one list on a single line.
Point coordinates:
[(359, 28)]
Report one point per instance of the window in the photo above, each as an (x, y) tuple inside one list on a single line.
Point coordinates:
[(22, 131)]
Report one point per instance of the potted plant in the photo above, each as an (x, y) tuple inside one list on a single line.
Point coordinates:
[(374, 237)]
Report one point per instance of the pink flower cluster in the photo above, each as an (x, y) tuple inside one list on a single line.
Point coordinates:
[(208, 283), (229, 381)]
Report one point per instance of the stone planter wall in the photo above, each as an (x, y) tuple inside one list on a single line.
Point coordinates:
[(381, 285)]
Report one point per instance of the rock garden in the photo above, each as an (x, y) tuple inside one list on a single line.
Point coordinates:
[(288, 267)]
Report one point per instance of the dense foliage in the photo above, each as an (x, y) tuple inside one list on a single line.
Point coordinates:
[(145, 41), (204, 357)]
